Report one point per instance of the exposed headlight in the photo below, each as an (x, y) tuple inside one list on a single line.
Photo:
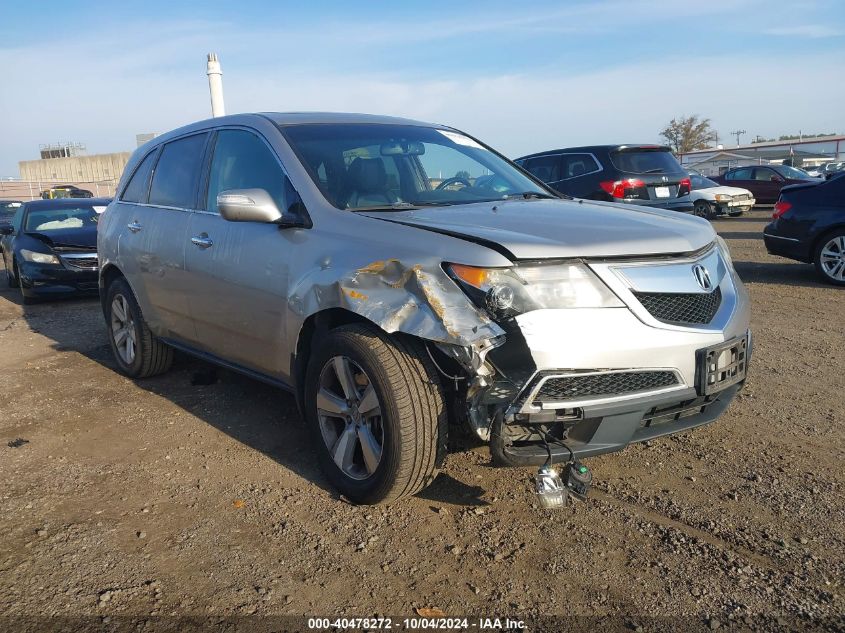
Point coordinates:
[(39, 258), (723, 197), (510, 291), (726, 252)]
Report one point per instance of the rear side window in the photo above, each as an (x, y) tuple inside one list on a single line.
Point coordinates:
[(646, 162), (739, 174), (136, 190), (574, 165), (545, 168), (177, 173), (243, 161)]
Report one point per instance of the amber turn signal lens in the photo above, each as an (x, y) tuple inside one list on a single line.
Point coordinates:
[(475, 277)]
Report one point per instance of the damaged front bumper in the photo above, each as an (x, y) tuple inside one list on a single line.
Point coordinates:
[(571, 383)]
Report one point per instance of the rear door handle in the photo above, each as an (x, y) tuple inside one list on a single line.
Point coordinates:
[(202, 241), (134, 226)]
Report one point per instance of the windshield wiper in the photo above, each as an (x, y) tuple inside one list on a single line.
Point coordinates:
[(397, 206), (527, 195), (656, 170)]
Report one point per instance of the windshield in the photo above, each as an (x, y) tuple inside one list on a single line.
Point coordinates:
[(61, 219), (792, 172), (700, 182), (646, 162), (377, 166)]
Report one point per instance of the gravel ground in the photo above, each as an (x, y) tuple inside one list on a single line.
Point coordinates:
[(167, 498)]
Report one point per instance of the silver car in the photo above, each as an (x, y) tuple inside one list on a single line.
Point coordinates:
[(401, 278)]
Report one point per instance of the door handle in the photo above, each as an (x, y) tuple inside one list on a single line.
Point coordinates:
[(134, 226), (202, 241)]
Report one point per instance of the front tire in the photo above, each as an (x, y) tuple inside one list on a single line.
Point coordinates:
[(703, 209), (138, 353), (829, 257), (25, 300), (376, 413)]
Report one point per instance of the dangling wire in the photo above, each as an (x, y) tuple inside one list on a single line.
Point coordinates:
[(443, 373)]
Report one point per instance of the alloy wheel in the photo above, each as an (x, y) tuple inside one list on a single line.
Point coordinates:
[(349, 414), (123, 329), (832, 258)]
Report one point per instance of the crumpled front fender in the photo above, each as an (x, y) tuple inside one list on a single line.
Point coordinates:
[(398, 297)]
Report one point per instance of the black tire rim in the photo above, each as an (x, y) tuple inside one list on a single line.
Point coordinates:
[(702, 209), (350, 418)]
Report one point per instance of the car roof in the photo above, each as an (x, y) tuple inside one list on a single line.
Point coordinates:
[(285, 119), (588, 149), (58, 203)]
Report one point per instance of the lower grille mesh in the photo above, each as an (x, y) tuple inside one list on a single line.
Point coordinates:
[(694, 307), (564, 388)]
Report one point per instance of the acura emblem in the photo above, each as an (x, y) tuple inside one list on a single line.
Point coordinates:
[(702, 277), (665, 179)]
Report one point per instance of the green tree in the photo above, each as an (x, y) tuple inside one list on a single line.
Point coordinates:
[(688, 133), (463, 173)]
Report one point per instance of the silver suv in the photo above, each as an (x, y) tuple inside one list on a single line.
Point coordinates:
[(398, 276)]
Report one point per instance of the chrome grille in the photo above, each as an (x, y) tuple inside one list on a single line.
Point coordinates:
[(692, 308), (88, 261), (563, 388)]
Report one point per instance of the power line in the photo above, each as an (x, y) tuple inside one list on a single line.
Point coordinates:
[(737, 134)]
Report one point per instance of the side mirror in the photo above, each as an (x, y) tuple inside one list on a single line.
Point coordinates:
[(248, 205), (777, 179), (6, 229)]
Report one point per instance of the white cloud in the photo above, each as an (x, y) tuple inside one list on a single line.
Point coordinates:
[(813, 31), (151, 77)]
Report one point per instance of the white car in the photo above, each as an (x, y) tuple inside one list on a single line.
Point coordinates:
[(710, 199)]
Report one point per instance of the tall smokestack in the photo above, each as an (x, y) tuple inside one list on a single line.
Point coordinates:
[(215, 85)]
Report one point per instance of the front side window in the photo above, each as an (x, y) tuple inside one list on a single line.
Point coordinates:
[(177, 172), (61, 219), (761, 173), (136, 190), (241, 160), (744, 173), (367, 166)]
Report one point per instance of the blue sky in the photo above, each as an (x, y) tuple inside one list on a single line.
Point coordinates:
[(521, 76)]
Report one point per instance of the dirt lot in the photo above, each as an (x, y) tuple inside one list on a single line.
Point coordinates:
[(165, 498)]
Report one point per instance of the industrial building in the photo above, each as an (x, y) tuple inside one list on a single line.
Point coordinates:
[(809, 151)]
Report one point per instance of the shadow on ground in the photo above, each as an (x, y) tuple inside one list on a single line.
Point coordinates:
[(261, 416), (784, 273)]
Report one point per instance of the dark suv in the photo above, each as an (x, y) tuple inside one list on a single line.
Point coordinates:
[(635, 174)]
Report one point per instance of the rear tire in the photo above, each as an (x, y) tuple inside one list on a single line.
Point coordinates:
[(703, 209), (829, 257), (138, 353), (410, 426)]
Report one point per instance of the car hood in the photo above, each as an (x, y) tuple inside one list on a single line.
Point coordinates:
[(69, 238), (541, 229)]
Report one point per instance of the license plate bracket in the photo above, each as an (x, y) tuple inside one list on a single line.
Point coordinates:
[(661, 192), (722, 365)]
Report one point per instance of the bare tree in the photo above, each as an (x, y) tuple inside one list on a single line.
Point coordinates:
[(688, 133)]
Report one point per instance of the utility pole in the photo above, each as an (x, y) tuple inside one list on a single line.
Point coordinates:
[(737, 134), (215, 85)]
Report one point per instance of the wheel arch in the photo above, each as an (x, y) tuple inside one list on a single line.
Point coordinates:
[(310, 331), (817, 241)]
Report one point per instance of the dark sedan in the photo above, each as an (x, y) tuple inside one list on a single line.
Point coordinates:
[(764, 181), (809, 226), (50, 247)]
